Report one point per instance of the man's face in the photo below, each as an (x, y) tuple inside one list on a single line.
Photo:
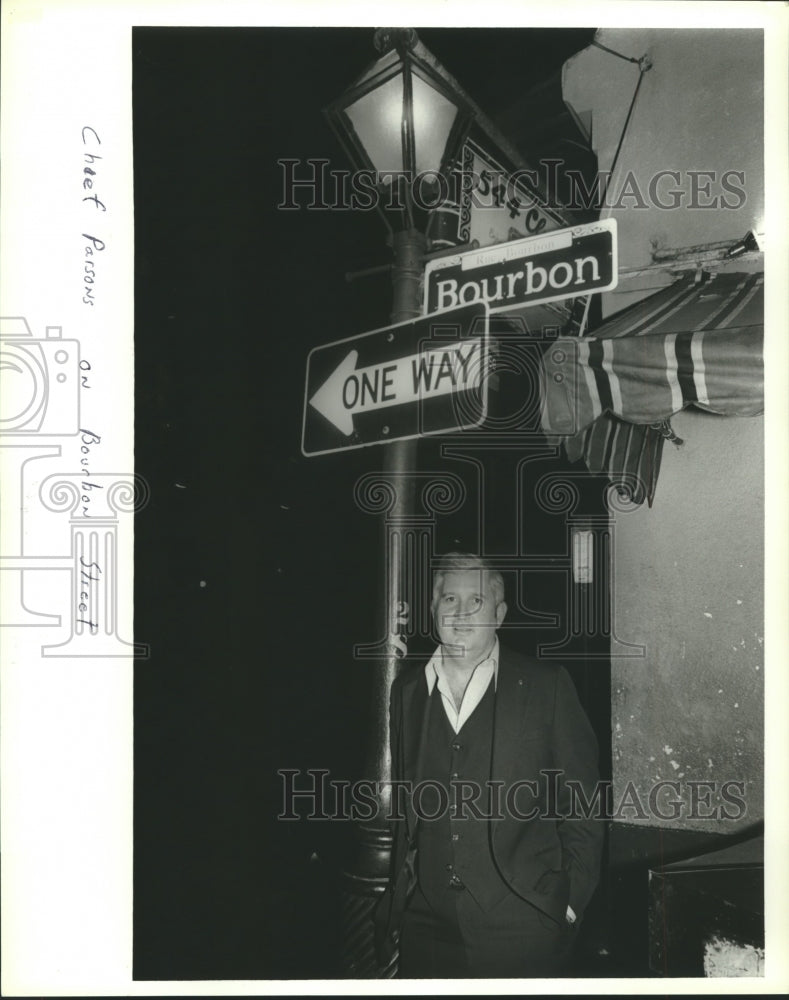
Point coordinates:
[(466, 615)]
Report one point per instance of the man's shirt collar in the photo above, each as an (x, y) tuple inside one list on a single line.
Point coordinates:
[(434, 669), (483, 673)]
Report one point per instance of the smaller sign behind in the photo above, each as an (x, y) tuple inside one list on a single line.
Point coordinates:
[(490, 202)]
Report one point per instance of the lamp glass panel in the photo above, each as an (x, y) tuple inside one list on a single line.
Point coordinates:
[(380, 66), (434, 116), (377, 118)]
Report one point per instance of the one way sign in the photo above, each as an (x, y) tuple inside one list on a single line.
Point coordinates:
[(425, 376)]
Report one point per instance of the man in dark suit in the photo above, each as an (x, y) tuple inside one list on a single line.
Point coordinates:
[(494, 857)]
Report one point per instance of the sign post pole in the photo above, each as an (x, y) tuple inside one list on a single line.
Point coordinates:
[(399, 459), (368, 879)]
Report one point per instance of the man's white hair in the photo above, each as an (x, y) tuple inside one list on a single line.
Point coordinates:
[(454, 562)]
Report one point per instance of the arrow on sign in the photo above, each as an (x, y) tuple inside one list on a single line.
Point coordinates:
[(438, 372)]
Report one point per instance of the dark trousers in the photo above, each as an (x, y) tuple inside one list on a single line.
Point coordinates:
[(456, 939)]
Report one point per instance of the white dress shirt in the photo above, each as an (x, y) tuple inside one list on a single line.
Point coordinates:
[(478, 684)]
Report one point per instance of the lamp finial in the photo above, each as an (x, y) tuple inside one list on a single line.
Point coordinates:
[(385, 39)]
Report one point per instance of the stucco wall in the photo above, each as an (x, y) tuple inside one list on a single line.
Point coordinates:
[(688, 586), (699, 108), (688, 571)]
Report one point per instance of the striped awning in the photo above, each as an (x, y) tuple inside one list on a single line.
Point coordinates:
[(610, 395)]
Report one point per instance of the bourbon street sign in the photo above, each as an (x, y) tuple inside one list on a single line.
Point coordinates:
[(424, 376), (545, 268)]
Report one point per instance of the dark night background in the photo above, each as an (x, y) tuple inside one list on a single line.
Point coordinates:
[(255, 573)]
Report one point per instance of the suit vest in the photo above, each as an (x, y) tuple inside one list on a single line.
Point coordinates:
[(453, 849)]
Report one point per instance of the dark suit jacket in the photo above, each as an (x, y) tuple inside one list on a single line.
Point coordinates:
[(539, 726)]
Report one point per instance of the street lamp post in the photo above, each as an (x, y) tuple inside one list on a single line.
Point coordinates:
[(403, 122)]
